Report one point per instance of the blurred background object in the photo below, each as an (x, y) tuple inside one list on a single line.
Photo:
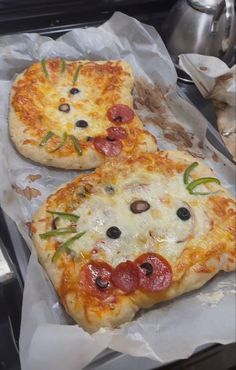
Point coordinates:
[(205, 27)]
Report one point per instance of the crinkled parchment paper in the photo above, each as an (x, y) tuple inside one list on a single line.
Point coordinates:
[(49, 340), (216, 81)]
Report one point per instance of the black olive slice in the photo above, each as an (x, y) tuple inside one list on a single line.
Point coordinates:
[(113, 232), (147, 267), (74, 91), (183, 213), (100, 283), (139, 206), (89, 138), (118, 119), (64, 108), (109, 189), (81, 123), (110, 138), (54, 223)]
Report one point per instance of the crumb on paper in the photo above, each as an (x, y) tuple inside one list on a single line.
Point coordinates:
[(211, 299), (33, 178), (226, 77), (150, 99), (195, 154), (31, 228), (27, 192), (226, 284), (215, 157), (201, 145), (203, 68)]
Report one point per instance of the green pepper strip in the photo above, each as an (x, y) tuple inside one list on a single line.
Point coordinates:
[(202, 180), (64, 138), (76, 144), (77, 73), (64, 246), (188, 170), (44, 67), (63, 65), (66, 216), (46, 138), (61, 231)]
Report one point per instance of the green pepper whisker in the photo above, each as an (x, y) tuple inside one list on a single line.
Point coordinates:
[(66, 245), (57, 232), (65, 215)]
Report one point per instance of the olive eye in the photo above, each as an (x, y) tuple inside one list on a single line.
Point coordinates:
[(109, 189), (183, 213), (64, 108), (74, 91), (139, 206), (100, 283), (81, 123), (113, 232)]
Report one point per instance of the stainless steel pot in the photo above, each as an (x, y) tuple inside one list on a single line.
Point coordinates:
[(201, 26)]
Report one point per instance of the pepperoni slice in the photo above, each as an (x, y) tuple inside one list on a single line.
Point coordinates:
[(106, 147), (116, 133), (95, 279), (120, 113), (126, 276), (156, 273)]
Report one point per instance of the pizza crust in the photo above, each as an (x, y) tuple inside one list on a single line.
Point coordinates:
[(209, 249)]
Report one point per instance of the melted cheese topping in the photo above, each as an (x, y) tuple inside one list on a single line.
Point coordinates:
[(159, 229)]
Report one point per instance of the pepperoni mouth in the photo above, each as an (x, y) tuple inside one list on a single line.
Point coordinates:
[(120, 113), (150, 272)]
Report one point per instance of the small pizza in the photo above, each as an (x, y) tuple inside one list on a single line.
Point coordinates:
[(134, 234), (76, 114)]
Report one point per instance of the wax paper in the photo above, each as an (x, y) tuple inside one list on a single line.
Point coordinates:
[(49, 339)]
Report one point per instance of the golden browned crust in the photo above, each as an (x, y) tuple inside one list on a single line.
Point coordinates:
[(43, 87), (209, 248)]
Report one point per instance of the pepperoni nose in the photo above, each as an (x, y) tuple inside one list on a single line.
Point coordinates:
[(120, 113)]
